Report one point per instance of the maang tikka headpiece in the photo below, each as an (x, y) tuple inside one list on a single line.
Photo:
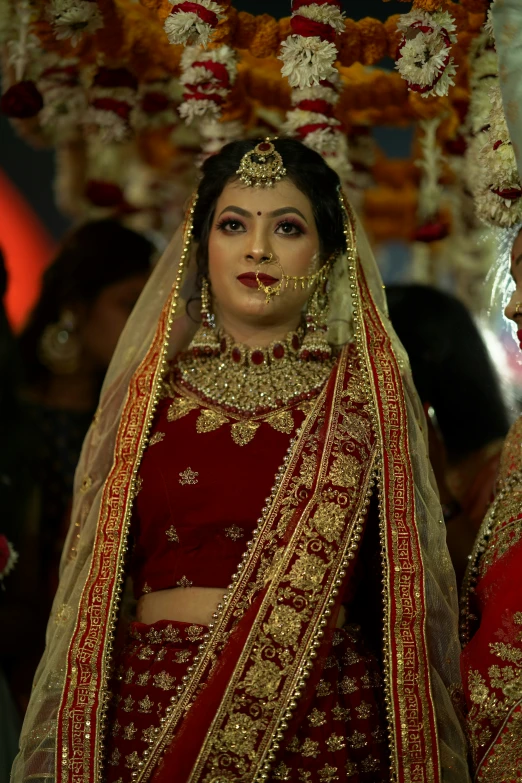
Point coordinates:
[(261, 167)]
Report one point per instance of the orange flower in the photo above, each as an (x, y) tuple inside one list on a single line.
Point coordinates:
[(245, 30), (266, 38), (393, 35), (475, 6), (350, 44), (427, 5), (373, 39)]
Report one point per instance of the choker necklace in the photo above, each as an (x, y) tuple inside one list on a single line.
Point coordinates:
[(249, 380)]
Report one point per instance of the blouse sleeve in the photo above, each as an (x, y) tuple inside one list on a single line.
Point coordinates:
[(507, 22)]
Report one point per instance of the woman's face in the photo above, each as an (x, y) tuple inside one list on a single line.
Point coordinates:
[(101, 323), (516, 272), (249, 224)]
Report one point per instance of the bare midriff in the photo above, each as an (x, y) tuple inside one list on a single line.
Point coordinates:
[(187, 605)]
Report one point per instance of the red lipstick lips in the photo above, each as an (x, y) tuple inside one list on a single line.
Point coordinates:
[(519, 335), (249, 279)]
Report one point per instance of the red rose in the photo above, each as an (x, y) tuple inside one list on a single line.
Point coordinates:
[(21, 101), (104, 194)]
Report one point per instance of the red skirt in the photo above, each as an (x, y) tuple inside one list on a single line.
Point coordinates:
[(341, 738)]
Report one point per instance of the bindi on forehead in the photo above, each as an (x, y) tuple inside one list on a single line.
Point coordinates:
[(259, 213)]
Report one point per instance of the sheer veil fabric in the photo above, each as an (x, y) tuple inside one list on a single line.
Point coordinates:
[(62, 737)]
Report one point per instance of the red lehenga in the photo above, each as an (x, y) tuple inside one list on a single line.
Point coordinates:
[(345, 513), (492, 629), (194, 515)]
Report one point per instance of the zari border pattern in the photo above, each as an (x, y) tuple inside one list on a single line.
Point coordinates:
[(81, 715), (411, 712)]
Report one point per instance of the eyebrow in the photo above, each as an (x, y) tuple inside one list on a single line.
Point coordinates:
[(275, 213), (517, 260)]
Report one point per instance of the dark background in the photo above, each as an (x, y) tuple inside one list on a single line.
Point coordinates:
[(32, 171)]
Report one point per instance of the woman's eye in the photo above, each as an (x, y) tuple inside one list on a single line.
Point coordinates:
[(232, 226), (288, 228)]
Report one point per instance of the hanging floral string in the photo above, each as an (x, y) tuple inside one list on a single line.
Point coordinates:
[(424, 57), (309, 54), (431, 225), (207, 77), (155, 106), (22, 99), (498, 189), (112, 97), (65, 99), (73, 19), (192, 23)]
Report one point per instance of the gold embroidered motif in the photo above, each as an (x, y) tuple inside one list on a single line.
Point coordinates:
[(282, 421), (128, 704), (284, 625), (310, 748), (351, 768), (182, 656), (154, 636), (234, 532), (324, 688), (145, 705), (132, 761), (172, 535), (115, 757), (208, 421), (195, 632), (143, 678), (358, 739), (179, 407), (244, 431), (171, 634), (345, 471), (184, 582), (317, 718), (370, 764), (156, 438), (335, 742), (340, 713), (308, 572), (129, 731), (146, 589), (188, 476), (160, 654), (138, 485), (262, 679), (363, 710), (349, 685), (164, 680), (329, 521), (308, 469), (239, 735), (116, 726), (148, 735), (282, 772), (328, 774), (129, 674), (145, 653)]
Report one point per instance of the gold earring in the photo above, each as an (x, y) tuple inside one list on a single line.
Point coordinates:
[(59, 348), (205, 342), (315, 343)]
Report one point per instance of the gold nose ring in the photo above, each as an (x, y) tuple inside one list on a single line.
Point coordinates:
[(518, 308)]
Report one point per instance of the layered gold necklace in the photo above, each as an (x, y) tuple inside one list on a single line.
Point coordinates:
[(253, 381)]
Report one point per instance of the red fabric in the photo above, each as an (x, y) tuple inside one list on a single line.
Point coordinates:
[(301, 25), (195, 8), (213, 519), (218, 70)]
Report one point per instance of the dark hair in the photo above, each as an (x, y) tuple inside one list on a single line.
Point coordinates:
[(91, 258), (304, 167), (450, 365)]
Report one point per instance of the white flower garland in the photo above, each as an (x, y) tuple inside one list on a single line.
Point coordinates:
[(424, 60), (111, 123), (65, 99), (187, 26), (147, 116), (309, 54), (207, 77), (498, 192), (74, 18), (23, 44)]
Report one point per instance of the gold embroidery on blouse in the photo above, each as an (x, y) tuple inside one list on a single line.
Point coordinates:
[(182, 656), (340, 713), (363, 710), (128, 704), (129, 731), (310, 748), (132, 761), (282, 421), (324, 688), (164, 680), (179, 407), (145, 653), (129, 674), (148, 735), (234, 532), (188, 476), (348, 685), (282, 772), (317, 718), (210, 420), (146, 589), (156, 438), (358, 739), (153, 636), (171, 634), (244, 431), (172, 535), (115, 757), (184, 582), (138, 485), (145, 705), (143, 678), (116, 726), (335, 742), (328, 774)]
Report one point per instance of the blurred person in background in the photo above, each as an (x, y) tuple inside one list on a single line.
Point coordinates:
[(466, 416), (87, 294)]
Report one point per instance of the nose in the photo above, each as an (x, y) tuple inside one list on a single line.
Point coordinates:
[(513, 309), (258, 255)]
